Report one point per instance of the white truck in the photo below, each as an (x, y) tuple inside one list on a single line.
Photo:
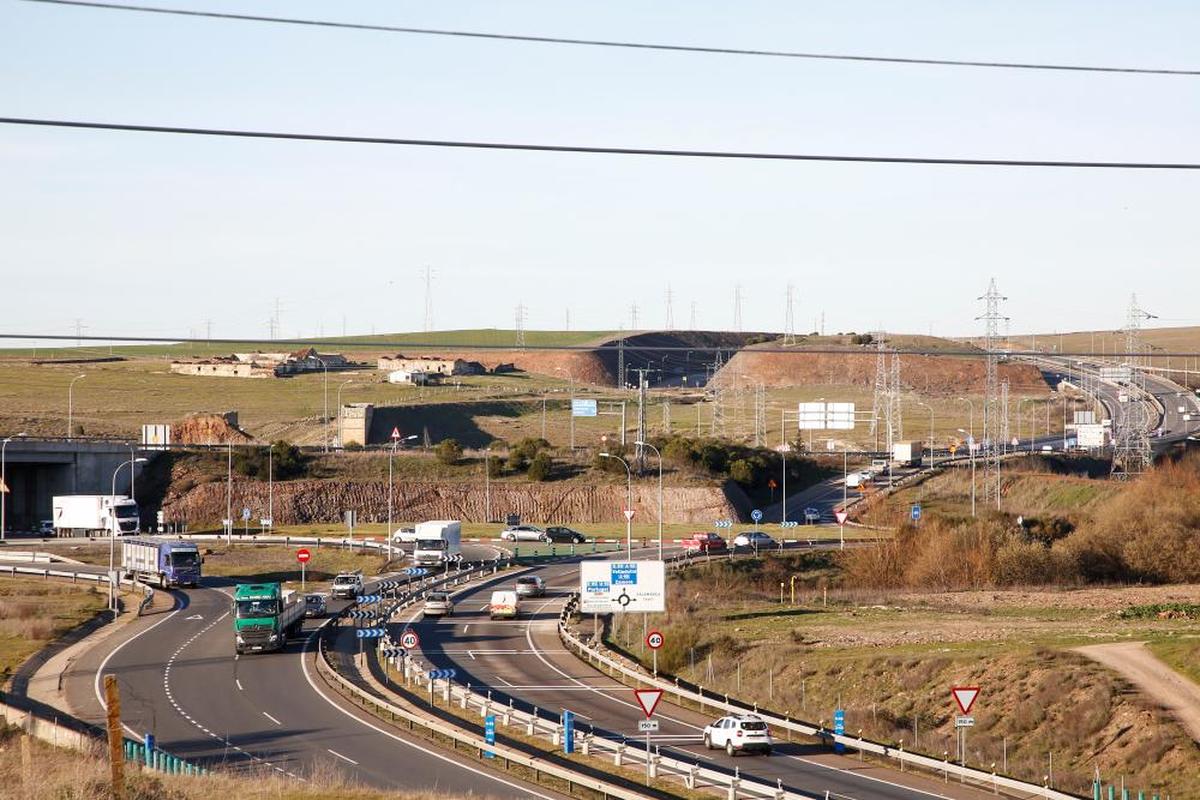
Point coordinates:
[(95, 515), (437, 542), (908, 454)]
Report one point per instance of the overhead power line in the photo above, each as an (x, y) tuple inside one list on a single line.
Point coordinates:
[(677, 48), (618, 151)]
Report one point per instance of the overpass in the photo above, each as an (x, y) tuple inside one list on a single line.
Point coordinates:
[(35, 469)]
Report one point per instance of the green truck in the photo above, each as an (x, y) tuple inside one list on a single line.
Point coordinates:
[(264, 616)]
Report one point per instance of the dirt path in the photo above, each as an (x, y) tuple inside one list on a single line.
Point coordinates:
[(1136, 663)]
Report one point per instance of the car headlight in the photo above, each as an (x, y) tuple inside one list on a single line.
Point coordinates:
[(240, 640)]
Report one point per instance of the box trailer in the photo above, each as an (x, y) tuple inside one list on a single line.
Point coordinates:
[(95, 515), (168, 562), (908, 453)]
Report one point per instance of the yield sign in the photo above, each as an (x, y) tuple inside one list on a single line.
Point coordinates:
[(648, 700), (965, 696), (840, 516), (629, 513)]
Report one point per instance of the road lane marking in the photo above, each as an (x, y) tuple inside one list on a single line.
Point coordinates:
[(268, 716), (239, 685), (342, 757)]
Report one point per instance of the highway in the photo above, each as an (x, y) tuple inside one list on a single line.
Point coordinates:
[(524, 661)]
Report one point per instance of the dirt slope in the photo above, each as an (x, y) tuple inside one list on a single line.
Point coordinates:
[(1176, 693)]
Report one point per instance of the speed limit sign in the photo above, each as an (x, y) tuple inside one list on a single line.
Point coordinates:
[(654, 640), (409, 640)]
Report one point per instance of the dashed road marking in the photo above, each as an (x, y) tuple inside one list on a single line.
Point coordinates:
[(342, 757), (268, 716)]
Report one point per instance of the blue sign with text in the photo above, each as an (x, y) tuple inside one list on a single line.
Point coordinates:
[(568, 726), (489, 733), (916, 512), (839, 728), (624, 574)]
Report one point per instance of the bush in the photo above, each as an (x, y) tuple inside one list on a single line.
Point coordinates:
[(495, 466), (742, 472), (603, 464), (353, 447), (539, 467), (528, 448), (448, 451), (253, 462)]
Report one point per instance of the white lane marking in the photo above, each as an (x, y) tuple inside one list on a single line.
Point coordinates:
[(308, 677), (239, 685), (466, 626), (502, 680), (268, 716), (115, 650), (600, 691), (342, 757)]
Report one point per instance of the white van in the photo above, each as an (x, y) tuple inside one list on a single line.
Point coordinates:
[(504, 605)]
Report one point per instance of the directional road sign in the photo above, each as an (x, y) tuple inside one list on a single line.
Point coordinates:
[(409, 640), (607, 587), (442, 674), (370, 633), (965, 696), (723, 523), (302, 555), (361, 614), (648, 700), (916, 512), (367, 599), (393, 652), (789, 523), (416, 572), (654, 640), (584, 408), (489, 733), (756, 515)]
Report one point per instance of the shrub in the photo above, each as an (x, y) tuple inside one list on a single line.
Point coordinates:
[(539, 467), (495, 466), (742, 472), (448, 451), (253, 462)]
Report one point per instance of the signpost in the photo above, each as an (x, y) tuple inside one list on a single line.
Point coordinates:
[(302, 555), (965, 697), (654, 640), (608, 587), (409, 640), (916, 512), (648, 700), (246, 520), (489, 733), (839, 728), (841, 515), (756, 515)]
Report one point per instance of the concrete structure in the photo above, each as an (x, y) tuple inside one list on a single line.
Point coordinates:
[(354, 423), (414, 377), (431, 364), (38, 469), (264, 365)]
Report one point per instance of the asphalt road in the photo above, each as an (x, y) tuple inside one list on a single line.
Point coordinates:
[(524, 661)]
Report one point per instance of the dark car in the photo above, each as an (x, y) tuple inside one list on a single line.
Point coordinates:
[(558, 533)]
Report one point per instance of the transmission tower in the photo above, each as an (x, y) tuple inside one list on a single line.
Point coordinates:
[(718, 401), (621, 363), (993, 427), (520, 314), (568, 319), (1131, 435), (895, 413), (670, 309), (760, 415), (886, 416), (789, 321), (639, 454), (633, 317), (737, 308), (429, 304)]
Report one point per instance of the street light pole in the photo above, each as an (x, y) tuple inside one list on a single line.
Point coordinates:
[(628, 504), (660, 495), (113, 527), (229, 493), (71, 403), (391, 455), (325, 418), (4, 485), (932, 457)]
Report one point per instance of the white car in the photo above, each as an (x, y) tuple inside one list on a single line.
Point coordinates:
[(405, 535), (524, 533), (741, 733), (754, 539)]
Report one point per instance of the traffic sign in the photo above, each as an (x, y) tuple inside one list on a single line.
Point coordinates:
[(395, 434), (756, 515), (245, 513), (361, 614), (771, 484), (654, 640), (790, 523), (964, 722), (370, 633), (393, 652), (607, 587), (435, 674), (415, 572), (647, 726), (409, 640), (965, 696), (839, 728), (916, 512), (369, 598), (648, 700), (841, 516), (302, 555), (489, 733), (629, 513), (723, 523)]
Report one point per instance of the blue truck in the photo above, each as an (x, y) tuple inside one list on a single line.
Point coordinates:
[(167, 562)]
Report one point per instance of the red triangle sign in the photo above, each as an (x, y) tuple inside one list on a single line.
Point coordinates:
[(840, 516), (395, 433), (648, 700), (965, 696)]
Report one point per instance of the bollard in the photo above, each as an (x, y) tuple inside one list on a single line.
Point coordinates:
[(654, 766), (689, 780), (779, 793), (585, 746), (446, 692), (618, 755), (529, 727), (734, 784)]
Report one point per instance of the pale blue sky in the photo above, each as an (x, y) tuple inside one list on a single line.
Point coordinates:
[(150, 234)]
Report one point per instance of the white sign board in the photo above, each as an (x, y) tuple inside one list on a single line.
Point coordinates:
[(607, 587), (647, 726), (584, 408), (1092, 435), (839, 416), (811, 416), (157, 437)]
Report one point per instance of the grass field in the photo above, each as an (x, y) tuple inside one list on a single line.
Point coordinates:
[(1110, 344), (35, 612)]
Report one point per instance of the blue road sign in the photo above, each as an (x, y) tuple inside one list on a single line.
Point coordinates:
[(364, 599), (584, 408), (568, 726), (624, 573), (437, 674), (916, 512), (370, 633), (839, 727), (416, 572), (489, 733), (756, 515)]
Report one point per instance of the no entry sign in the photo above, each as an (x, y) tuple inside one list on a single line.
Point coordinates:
[(302, 555)]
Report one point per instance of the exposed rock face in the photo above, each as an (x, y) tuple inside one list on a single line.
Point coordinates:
[(325, 501), (208, 429)]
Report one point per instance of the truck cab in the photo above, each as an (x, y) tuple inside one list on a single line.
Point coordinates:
[(437, 542), (347, 584), (264, 616), (169, 562)]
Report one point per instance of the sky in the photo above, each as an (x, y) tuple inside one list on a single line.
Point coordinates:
[(155, 235)]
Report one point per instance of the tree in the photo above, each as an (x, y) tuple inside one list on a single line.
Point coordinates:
[(742, 471), (448, 451), (540, 467), (495, 466)]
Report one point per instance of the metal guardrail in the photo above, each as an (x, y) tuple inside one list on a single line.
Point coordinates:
[(722, 703)]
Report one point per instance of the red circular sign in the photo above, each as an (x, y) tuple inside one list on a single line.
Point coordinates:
[(302, 555), (654, 640), (409, 640)]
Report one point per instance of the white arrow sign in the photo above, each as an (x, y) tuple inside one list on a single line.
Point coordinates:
[(193, 616)]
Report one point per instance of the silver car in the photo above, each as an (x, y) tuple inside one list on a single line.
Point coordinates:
[(531, 586), (438, 604), (524, 533)]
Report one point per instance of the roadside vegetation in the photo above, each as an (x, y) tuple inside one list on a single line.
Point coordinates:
[(35, 612)]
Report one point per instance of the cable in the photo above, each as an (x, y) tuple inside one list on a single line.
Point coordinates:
[(620, 151), (510, 37)]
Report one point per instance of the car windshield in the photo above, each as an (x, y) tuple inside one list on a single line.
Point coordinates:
[(756, 725), (528, 581), (127, 511), (436, 597), (313, 600), (345, 579), (184, 558), (267, 607)]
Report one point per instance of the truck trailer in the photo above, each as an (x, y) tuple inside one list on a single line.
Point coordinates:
[(437, 542), (94, 515), (169, 562), (908, 454), (264, 616)]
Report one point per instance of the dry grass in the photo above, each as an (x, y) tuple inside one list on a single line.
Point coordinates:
[(34, 612), (58, 774)]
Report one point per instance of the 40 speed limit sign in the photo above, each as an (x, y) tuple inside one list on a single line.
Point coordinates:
[(654, 640)]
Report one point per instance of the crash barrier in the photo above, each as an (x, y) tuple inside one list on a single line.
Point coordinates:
[(50, 731), (12, 571), (687, 694), (159, 760)]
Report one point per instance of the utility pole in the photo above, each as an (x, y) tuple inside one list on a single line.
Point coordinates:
[(670, 310), (737, 308), (692, 321), (621, 363), (428, 278), (640, 453)]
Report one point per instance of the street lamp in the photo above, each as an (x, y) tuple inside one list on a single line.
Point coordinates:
[(660, 495), (4, 484), (71, 402), (971, 450), (325, 419), (628, 504), (932, 457), (339, 407), (113, 527)]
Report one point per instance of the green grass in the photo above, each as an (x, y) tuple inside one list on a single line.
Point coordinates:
[(35, 612), (1180, 653)]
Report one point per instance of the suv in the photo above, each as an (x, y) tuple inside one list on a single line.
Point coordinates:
[(438, 604), (741, 733), (531, 586), (569, 535), (524, 533), (348, 585)]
